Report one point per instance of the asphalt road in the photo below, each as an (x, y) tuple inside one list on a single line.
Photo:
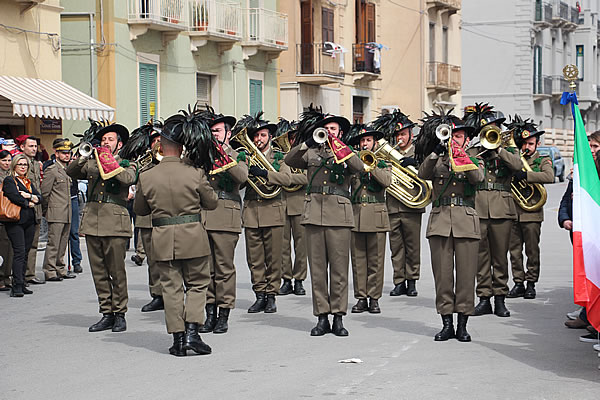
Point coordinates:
[(46, 351)]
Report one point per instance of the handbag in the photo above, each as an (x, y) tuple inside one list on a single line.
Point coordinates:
[(9, 211)]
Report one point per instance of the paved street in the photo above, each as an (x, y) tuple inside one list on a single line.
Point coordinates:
[(47, 352)]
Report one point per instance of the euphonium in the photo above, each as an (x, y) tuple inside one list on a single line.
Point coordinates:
[(255, 157), (282, 142), (153, 154)]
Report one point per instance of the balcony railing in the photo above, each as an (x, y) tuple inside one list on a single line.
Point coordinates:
[(574, 15), (543, 12), (564, 11), (366, 57), (559, 85), (452, 4), (167, 13), (443, 76), (266, 28), (598, 92), (318, 59), (542, 85), (216, 17)]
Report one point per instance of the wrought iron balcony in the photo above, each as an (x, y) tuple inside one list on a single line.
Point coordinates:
[(265, 30), (319, 63), (449, 4), (559, 85), (543, 13), (215, 20), (167, 16), (366, 61), (444, 77), (542, 87)]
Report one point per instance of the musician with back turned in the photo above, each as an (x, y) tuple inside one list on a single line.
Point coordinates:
[(453, 227)]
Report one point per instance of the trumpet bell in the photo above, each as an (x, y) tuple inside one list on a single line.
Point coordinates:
[(490, 137), (443, 132), (320, 135), (86, 149)]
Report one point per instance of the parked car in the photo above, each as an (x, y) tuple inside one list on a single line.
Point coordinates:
[(558, 163)]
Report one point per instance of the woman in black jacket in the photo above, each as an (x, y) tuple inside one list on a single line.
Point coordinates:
[(19, 190)]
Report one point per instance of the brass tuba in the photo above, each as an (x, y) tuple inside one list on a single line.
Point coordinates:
[(282, 143), (255, 157)]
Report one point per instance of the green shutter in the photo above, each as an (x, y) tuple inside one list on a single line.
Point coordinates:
[(148, 80), (255, 96)]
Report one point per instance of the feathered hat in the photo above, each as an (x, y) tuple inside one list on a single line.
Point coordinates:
[(140, 140), (358, 131), (427, 140), (481, 115), (214, 118), (253, 123), (523, 129), (309, 120), (391, 123)]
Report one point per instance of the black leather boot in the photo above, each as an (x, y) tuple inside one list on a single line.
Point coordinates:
[(120, 325), (299, 288), (177, 348), (374, 306), (222, 325), (484, 307), (517, 291), (360, 306), (399, 289), (106, 322), (155, 304), (286, 287), (26, 290), (338, 327), (192, 340), (530, 291), (322, 327), (411, 289), (500, 308), (461, 328), (270, 306), (211, 319), (259, 304), (447, 331), (17, 290)]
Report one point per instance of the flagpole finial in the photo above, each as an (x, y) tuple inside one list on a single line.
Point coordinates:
[(571, 73)]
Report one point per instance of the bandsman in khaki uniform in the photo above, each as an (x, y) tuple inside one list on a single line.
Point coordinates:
[(327, 218), (453, 227), (528, 226), (175, 193), (106, 225), (56, 192), (371, 222)]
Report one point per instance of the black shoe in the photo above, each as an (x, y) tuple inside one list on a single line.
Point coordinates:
[(322, 327), (4, 288), (211, 319), (26, 290), (259, 304), (120, 325), (338, 327), (530, 291), (360, 306), (286, 288), (374, 306), (155, 304), (192, 340), (461, 328), (299, 288), (54, 279), (106, 323), (447, 331), (36, 281), (77, 269), (17, 291), (517, 291), (222, 325), (399, 289), (137, 260), (270, 306), (484, 307), (500, 308), (177, 348), (411, 289), (69, 275)]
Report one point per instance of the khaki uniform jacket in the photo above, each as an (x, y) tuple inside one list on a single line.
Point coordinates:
[(35, 176), (394, 205), (370, 217), (144, 221), (325, 209), (104, 219), (458, 221), (174, 188), (227, 217), (543, 173), (263, 213), (56, 191), (294, 201), (497, 204)]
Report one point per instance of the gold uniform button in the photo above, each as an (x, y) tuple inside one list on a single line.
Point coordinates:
[(325, 172), (453, 194), (324, 193), (101, 192), (453, 183), (489, 180), (451, 205), (102, 184), (364, 187), (100, 201), (324, 182)]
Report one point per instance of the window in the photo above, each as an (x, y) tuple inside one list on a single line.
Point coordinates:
[(255, 96), (431, 42), (358, 112), (445, 44), (365, 22), (537, 69), (148, 92), (327, 24), (579, 60), (202, 89)]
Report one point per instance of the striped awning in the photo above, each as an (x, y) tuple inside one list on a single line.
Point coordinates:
[(51, 99)]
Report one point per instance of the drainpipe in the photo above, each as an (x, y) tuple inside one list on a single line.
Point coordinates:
[(234, 90), (91, 16)]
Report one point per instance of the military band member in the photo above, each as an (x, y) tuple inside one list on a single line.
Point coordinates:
[(453, 227), (56, 192), (371, 222), (527, 228), (106, 224), (328, 216)]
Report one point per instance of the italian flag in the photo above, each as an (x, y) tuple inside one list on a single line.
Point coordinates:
[(586, 226)]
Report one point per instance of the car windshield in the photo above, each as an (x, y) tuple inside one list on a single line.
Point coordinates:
[(544, 151)]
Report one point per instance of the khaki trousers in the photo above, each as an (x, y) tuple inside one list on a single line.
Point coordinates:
[(450, 256), (368, 257), (263, 253), (221, 288), (6, 252), (31, 256), (58, 238), (184, 284), (145, 237), (492, 271), (299, 268), (527, 233), (328, 259), (107, 262), (405, 244), (140, 250)]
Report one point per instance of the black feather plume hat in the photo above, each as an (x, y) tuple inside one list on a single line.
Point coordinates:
[(391, 123)]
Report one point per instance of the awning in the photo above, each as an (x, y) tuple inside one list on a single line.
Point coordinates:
[(51, 99)]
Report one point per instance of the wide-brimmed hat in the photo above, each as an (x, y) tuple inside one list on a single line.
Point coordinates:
[(523, 129), (341, 121), (359, 131), (262, 125), (117, 128)]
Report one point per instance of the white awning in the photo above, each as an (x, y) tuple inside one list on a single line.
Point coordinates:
[(51, 99)]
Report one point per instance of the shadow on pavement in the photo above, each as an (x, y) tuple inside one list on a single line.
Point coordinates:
[(149, 340), (76, 320)]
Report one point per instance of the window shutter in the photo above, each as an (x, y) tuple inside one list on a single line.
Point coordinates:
[(202, 89), (327, 24), (371, 23), (148, 92), (255, 96)]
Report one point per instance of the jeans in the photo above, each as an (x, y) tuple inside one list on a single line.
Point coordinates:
[(21, 237), (74, 235)]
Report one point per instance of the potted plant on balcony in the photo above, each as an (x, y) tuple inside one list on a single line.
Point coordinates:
[(174, 9), (200, 17)]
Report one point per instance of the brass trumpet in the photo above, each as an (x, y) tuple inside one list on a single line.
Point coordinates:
[(86, 149), (320, 135), (490, 137), (282, 143), (369, 159), (443, 132)]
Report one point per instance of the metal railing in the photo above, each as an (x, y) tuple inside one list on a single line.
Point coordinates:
[(543, 12), (542, 85), (266, 27), (216, 16), (598, 92), (366, 58), (559, 85), (448, 3), (574, 15), (158, 11), (318, 59), (442, 75), (564, 11)]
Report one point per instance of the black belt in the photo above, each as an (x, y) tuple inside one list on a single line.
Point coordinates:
[(368, 198), (223, 195), (454, 201), (182, 219), (252, 195), (493, 186), (329, 190), (105, 198)]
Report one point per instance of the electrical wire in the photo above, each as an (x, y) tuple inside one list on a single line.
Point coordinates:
[(490, 37), (407, 8)]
